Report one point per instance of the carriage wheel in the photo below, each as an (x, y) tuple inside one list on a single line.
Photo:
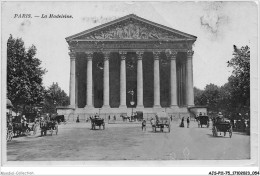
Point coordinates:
[(27, 132), (35, 131), (161, 129)]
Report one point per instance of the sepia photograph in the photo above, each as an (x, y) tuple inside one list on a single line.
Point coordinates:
[(127, 82)]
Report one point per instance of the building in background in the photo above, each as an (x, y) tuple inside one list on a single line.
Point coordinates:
[(130, 63)]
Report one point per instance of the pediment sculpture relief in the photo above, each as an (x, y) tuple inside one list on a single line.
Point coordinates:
[(131, 30)]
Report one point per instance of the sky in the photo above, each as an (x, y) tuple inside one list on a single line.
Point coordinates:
[(217, 25)]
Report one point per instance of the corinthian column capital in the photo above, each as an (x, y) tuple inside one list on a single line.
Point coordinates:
[(89, 55), (156, 55), (106, 55), (171, 54), (123, 55), (139, 55), (190, 53), (72, 55)]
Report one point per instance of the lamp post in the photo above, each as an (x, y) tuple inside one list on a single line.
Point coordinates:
[(131, 92)]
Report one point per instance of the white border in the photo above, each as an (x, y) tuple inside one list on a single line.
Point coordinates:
[(140, 167)]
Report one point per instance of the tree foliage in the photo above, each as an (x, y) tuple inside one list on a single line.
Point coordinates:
[(24, 74), (240, 79), (234, 96), (54, 96)]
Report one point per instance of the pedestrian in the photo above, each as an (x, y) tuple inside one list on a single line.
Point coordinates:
[(77, 121), (109, 118), (182, 122), (144, 125), (114, 117), (188, 122), (171, 118)]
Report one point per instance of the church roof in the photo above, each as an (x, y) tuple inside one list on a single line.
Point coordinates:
[(131, 27)]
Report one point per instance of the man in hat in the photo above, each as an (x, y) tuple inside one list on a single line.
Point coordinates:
[(219, 117)]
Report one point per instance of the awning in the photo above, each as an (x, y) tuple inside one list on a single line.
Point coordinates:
[(9, 104)]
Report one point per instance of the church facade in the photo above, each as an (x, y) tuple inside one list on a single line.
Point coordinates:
[(131, 64)]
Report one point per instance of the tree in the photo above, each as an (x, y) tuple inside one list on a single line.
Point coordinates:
[(24, 75), (240, 79), (55, 96), (198, 97)]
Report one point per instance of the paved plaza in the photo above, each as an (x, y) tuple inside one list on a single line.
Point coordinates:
[(126, 141)]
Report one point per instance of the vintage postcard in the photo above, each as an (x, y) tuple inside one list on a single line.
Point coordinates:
[(118, 83)]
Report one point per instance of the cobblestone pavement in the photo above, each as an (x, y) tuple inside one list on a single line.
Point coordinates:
[(127, 141)]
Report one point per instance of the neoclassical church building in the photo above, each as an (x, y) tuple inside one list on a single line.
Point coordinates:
[(130, 63)]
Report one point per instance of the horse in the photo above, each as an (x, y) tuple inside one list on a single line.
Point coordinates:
[(125, 118)]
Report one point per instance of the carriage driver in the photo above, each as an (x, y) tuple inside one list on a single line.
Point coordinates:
[(219, 117)]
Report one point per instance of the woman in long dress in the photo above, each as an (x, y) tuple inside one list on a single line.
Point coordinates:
[(182, 122)]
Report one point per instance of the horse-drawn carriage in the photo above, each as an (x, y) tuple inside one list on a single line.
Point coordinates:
[(138, 116), (161, 121), (221, 125), (48, 124), (96, 121), (203, 120), (20, 126)]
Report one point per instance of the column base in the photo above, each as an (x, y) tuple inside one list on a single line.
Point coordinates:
[(105, 106), (157, 106), (174, 107), (89, 107), (72, 106), (188, 106), (139, 106), (123, 107)]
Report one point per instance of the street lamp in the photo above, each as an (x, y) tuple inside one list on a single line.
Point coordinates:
[(131, 92)]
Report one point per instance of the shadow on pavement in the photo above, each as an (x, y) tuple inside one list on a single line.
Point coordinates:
[(219, 136)]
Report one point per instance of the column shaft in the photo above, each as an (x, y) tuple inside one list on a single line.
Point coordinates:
[(139, 80), (156, 80), (72, 79), (189, 83), (106, 81), (122, 80), (89, 101), (173, 79)]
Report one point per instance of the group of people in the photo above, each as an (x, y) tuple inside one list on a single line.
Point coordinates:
[(182, 122)]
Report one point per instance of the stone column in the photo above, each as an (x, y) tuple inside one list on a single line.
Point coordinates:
[(173, 78), (106, 81), (72, 79), (89, 82), (156, 80), (140, 79), (122, 80), (189, 83)]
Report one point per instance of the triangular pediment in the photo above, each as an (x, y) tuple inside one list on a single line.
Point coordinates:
[(131, 27)]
